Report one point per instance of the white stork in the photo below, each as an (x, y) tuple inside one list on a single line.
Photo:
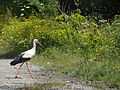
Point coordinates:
[(25, 56)]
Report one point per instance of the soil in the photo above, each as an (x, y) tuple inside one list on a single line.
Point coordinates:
[(44, 79)]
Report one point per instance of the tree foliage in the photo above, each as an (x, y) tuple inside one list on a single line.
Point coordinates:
[(17, 8), (98, 9), (5, 5), (67, 6), (101, 9)]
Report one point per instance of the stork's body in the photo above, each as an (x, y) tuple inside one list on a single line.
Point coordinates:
[(25, 56)]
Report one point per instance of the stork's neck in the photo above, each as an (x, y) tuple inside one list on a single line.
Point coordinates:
[(34, 46)]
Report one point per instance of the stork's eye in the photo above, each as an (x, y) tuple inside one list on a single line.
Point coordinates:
[(37, 41)]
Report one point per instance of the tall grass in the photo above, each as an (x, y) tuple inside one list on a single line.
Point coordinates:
[(80, 64)]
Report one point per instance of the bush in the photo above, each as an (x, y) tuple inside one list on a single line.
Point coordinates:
[(19, 33), (94, 41)]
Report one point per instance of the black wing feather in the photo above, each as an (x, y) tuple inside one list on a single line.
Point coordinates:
[(19, 59)]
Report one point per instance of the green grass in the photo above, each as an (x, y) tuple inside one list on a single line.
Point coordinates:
[(102, 73), (55, 59)]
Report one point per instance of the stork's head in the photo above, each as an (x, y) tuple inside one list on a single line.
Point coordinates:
[(36, 41)]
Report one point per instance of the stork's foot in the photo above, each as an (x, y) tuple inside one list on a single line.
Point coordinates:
[(18, 77)]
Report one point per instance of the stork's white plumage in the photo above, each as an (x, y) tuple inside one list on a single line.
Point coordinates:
[(25, 56)]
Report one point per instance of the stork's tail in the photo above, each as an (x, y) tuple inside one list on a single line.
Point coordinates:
[(17, 61), (14, 62)]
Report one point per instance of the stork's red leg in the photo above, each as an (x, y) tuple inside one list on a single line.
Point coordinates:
[(29, 70), (19, 70)]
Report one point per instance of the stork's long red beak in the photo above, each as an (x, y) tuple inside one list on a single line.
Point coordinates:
[(40, 44)]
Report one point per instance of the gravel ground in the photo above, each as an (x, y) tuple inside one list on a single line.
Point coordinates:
[(45, 80)]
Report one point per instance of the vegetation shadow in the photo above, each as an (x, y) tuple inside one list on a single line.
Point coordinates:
[(8, 55)]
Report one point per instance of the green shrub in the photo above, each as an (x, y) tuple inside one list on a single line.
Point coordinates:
[(96, 42)]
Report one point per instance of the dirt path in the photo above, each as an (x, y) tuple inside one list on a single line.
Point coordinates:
[(45, 80)]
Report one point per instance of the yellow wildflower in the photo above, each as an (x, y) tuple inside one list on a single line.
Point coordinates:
[(113, 32)]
